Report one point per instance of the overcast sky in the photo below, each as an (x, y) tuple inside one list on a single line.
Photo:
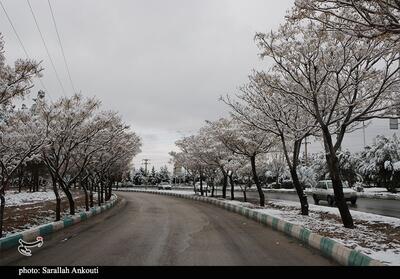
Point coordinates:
[(162, 64)]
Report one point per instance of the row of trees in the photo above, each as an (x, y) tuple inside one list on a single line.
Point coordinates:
[(70, 141), (331, 66), (140, 177)]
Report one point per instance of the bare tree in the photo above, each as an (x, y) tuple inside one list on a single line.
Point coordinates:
[(338, 79), (245, 141), (21, 137), (278, 114), (67, 122), (361, 18)]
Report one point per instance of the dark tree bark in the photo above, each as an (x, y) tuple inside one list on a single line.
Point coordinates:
[(58, 198), (257, 180), (334, 171), (2, 206), (98, 195), (102, 192), (201, 185), (232, 187), (212, 187), (293, 172), (109, 192), (83, 184), (70, 201), (91, 193), (225, 185)]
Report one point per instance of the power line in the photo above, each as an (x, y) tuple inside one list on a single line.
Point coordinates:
[(15, 31), (61, 47), (45, 46), (19, 39)]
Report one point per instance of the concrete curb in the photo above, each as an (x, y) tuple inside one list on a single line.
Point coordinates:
[(329, 248), (47, 229)]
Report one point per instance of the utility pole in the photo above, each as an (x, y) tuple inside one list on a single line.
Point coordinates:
[(306, 143), (146, 163), (365, 141)]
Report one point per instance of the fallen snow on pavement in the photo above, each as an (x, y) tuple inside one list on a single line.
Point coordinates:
[(25, 198)]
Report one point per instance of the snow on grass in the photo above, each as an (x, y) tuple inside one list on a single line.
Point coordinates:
[(378, 193), (25, 198), (43, 216), (375, 235)]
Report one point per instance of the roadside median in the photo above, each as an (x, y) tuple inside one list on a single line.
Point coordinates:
[(47, 229)]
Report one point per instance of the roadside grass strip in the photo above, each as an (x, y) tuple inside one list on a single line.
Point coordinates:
[(328, 247), (47, 229)]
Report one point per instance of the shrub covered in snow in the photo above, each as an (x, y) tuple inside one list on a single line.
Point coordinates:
[(380, 162)]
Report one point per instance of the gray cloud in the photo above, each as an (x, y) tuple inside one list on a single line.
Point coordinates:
[(162, 64)]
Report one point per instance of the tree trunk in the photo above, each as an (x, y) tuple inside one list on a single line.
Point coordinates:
[(2, 206), (333, 166), (98, 195), (225, 186), (83, 185), (232, 187), (300, 193), (91, 194), (70, 201), (244, 196), (105, 187), (108, 197), (101, 192), (201, 186), (58, 200), (257, 181), (334, 171), (36, 179), (293, 172)]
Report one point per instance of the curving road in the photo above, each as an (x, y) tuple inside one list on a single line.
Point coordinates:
[(151, 230)]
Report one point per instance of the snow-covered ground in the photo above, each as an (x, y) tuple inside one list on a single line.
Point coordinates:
[(25, 198), (35, 201), (375, 235), (379, 193)]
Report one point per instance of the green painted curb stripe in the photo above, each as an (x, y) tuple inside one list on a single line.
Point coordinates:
[(68, 222), (304, 235), (10, 241), (83, 216), (326, 246), (264, 219), (46, 230), (288, 228), (358, 259), (275, 223)]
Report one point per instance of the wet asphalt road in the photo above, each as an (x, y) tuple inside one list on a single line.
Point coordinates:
[(151, 230), (389, 208)]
